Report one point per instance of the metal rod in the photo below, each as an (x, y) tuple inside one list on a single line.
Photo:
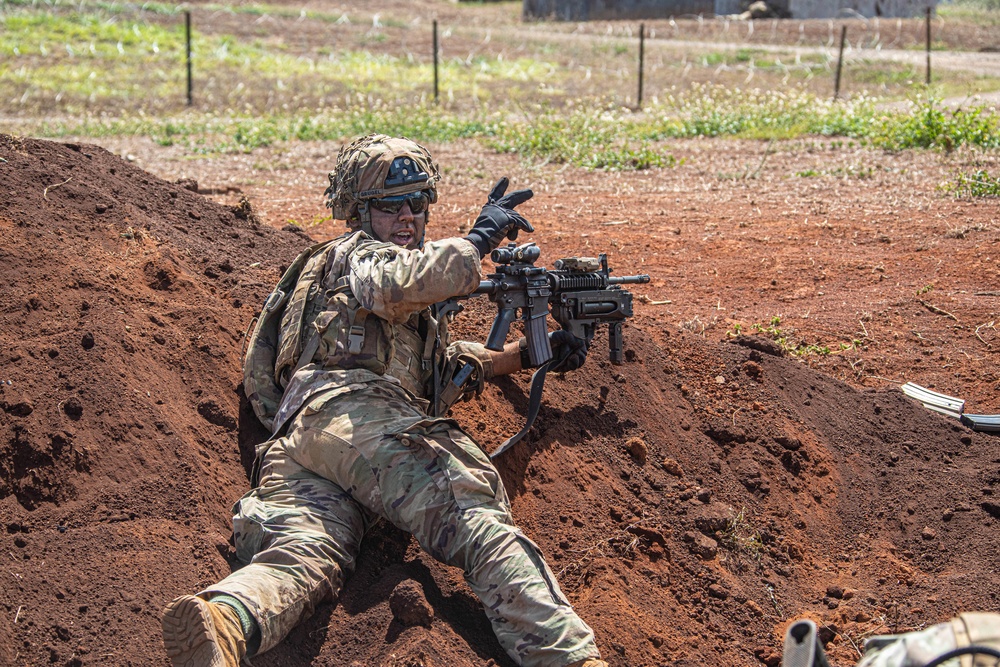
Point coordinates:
[(435, 61), (840, 62), (190, 86), (928, 46), (642, 59)]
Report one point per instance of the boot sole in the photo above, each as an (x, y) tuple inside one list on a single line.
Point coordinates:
[(189, 634)]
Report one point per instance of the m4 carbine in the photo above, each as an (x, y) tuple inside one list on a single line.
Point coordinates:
[(580, 293)]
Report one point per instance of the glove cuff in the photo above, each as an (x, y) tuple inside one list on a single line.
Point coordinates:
[(476, 243)]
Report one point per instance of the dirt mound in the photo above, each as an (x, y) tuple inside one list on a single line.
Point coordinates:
[(706, 492), (124, 305)]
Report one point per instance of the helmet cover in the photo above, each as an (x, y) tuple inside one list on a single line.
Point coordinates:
[(376, 166)]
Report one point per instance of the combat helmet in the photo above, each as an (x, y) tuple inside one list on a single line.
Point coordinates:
[(377, 166)]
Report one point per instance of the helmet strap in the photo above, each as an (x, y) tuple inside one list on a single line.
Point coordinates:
[(365, 216), (427, 220)]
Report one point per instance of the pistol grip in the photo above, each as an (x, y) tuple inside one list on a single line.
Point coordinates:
[(500, 328)]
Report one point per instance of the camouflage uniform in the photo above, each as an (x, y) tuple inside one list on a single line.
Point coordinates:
[(360, 445), (979, 629)]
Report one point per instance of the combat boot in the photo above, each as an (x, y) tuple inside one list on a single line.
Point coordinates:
[(589, 662), (199, 633)]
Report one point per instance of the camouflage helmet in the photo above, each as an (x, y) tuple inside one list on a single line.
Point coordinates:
[(376, 166)]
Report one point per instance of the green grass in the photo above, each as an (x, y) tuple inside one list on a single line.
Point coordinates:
[(854, 171), (974, 185), (203, 133), (880, 73), (742, 538), (173, 9), (614, 139), (761, 114), (929, 125), (101, 68), (47, 58), (983, 5), (982, 12), (786, 341), (602, 140)]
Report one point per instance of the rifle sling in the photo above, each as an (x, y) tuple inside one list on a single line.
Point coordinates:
[(534, 403)]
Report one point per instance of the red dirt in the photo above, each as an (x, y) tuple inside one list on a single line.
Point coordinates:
[(693, 500)]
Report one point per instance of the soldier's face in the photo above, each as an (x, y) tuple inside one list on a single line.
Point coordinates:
[(404, 228)]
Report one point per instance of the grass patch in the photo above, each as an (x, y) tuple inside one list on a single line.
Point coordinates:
[(112, 8), (974, 185), (612, 138), (981, 12), (785, 340), (929, 125), (850, 172), (602, 140), (761, 114), (201, 133), (882, 74), (136, 62), (743, 540)]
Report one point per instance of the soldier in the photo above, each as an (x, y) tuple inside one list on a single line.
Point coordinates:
[(360, 433)]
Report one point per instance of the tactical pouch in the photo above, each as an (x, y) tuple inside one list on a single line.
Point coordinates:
[(463, 378), (292, 332), (349, 337), (460, 465), (263, 362), (250, 515)]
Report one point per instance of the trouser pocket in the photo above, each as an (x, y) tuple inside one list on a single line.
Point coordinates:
[(249, 519), (455, 461)]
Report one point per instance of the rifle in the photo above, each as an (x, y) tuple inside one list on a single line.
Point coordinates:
[(580, 293)]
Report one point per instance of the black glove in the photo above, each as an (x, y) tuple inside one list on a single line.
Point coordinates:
[(568, 351), (498, 218)]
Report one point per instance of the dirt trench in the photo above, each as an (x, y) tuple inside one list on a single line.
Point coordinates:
[(692, 500)]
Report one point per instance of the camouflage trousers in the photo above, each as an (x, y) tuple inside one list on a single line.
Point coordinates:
[(362, 451)]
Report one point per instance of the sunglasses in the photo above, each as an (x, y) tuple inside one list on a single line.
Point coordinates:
[(418, 202)]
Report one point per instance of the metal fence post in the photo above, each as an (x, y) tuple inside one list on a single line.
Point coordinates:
[(435, 61), (187, 25), (928, 46), (642, 50), (840, 62)]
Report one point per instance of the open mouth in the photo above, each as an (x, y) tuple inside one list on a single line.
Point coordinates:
[(402, 238)]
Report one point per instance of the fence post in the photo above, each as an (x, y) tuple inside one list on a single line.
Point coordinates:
[(928, 46), (642, 53), (187, 26), (435, 61), (840, 62)]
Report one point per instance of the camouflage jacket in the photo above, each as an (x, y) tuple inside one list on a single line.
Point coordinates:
[(387, 292)]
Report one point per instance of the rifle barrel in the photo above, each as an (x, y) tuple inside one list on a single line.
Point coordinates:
[(629, 280), (486, 287)]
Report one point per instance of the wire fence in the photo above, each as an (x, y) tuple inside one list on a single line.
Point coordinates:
[(159, 59)]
